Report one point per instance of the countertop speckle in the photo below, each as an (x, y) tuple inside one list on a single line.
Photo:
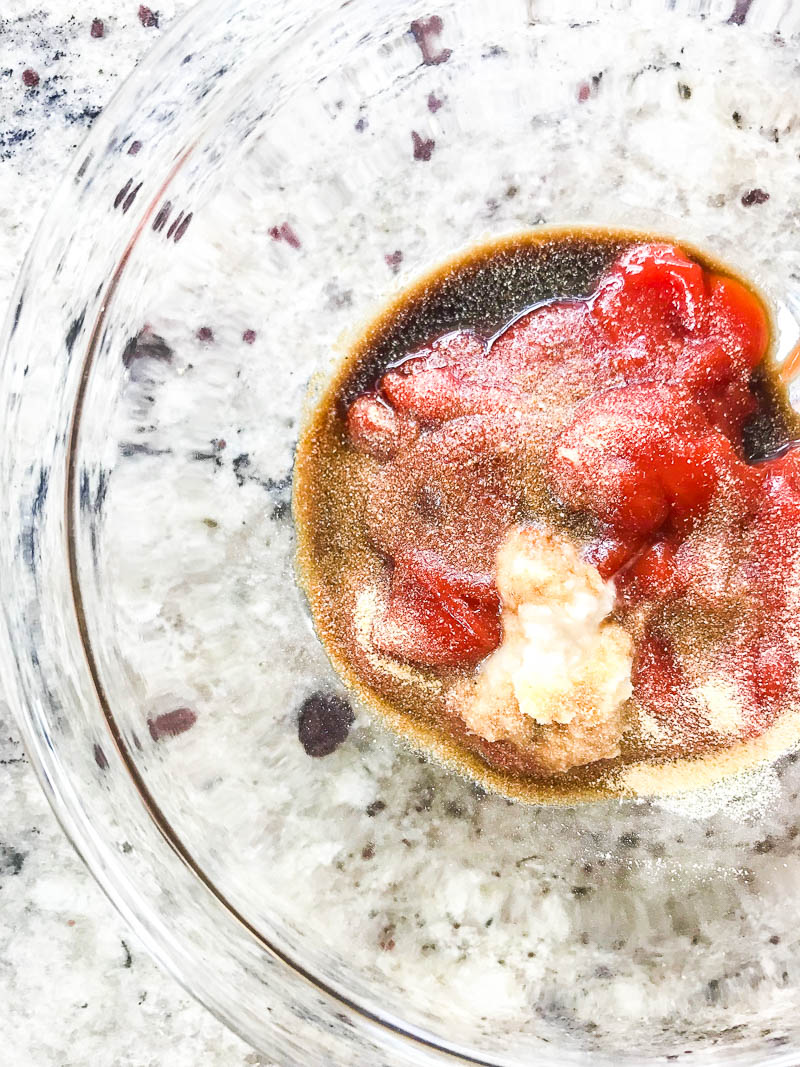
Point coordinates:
[(75, 987)]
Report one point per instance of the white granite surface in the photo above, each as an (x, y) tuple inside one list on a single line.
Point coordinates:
[(75, 987)]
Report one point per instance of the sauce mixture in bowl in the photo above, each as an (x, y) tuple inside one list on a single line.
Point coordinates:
[(548, 515)]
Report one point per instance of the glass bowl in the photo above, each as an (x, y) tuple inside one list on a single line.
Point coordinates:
[(268, 178)]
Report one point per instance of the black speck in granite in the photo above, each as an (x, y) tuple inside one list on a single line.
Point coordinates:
[(28, 542), (123, 192), (754, 196), (361, 124), (129, 199), (174, 225), (146, 345), (181, 229), (83, 167), (138, 448), (11, 860), (85, 116), (713, 991), (128, 961), (240, 463), (423, 146), (162, 215), (590, 88), (9, 139), (629, 840), (199, 455), (684, 91), (100, 757), (74, 330), (10, 761), (243, 471), (85, 495), (41, 492), (324, 723), (375, 808), (17, 313), (646, 68), (426, 33)]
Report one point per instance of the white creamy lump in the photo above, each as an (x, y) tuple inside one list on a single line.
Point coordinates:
[(558, 682)]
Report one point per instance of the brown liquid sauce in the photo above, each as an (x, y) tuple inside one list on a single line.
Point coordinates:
[(484, 290)]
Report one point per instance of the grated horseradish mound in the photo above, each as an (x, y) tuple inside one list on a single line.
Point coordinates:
[(559, 681)]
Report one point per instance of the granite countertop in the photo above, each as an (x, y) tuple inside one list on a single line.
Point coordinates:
[(75, 987), (670, 921)]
